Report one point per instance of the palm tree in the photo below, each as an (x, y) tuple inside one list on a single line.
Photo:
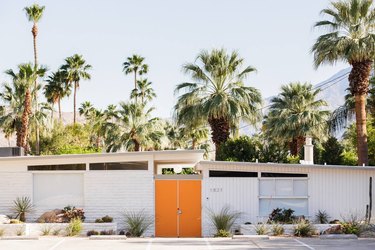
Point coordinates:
[(34, 13), (144, 90), (76, 68), (135, 130), (294, 114), (10, 120), (26, 77), (134, 64), (350, 38), (56, 89), (217, 94)]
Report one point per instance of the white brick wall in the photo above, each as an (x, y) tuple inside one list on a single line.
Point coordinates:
[(13, 185), (114, 192)]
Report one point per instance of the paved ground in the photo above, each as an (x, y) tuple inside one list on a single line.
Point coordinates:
[(50, 243)]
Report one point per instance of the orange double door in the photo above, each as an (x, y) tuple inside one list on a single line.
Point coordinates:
[(178, 208)]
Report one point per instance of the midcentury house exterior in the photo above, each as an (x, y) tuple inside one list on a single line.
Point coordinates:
[(179, 205)]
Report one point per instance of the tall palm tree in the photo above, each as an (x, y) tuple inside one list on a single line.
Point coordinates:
[(76, 69), (217, 94), (26, 76), (135, 64), (296, 113), (135, 130), (350, 38), (56, 89), (144, 90), (34, 13)]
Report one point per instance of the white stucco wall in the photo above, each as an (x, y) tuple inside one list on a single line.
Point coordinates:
[(340, 191)]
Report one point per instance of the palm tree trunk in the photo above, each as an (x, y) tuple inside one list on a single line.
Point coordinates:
[(75, 102), (34, 31), (137, 146), (293, 147), (194, 144), (360, 115), (59, 104), (53, 111), (25, 120), (359, 81), (220, 131), (135, 84)]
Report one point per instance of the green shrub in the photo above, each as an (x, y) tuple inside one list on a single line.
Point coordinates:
[(22, 206), (240, 149), (222, 233), (284, 216), (223, 220), (277, 229), (137, 223), (261, 229), (293, 159), (105, 219), (349, 158), (92, 232), (303, 229), (74, 228), (322, 217), (352, 225)]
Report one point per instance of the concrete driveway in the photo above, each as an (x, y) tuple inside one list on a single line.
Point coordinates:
[(51, 243)]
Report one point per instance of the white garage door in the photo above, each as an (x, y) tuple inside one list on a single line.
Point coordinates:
[(58, 190)]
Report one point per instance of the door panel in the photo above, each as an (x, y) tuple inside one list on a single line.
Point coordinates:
[(190, 207), (166, 208)]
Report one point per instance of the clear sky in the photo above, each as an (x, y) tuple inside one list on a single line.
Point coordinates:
[(275, 36)]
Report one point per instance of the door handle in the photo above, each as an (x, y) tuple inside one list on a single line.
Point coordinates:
[(179, 211)]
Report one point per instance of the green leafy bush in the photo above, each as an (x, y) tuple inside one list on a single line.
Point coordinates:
[(322, 217), (222, 233), (240, 149), (107, 219), (261, 229), (74, 228), (352, 225), (15, 221), (99, 220), (303, 229), (277, 229), (284, 216), (137, 223), (293, 159), (223, 220)]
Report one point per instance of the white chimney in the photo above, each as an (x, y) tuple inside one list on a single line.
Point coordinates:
[(309, 152)]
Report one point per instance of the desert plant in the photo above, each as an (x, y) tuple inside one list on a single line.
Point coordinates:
[(99, 220), (92, 232), (107, 232), (277, 229), (222, 233), (107, 219), (56, 231), (322, 217), (303, 228), (284, 216), (46, 230), (352, 224), (73, 213), (22, 206), (20, 231), (137, 222), (223, 220), (2, 232), (74, 227), (261, 229)]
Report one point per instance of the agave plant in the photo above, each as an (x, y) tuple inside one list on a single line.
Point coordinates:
[(22, 206), (224, 220)]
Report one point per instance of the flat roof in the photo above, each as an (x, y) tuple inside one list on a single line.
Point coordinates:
[(103, 155), (253, 164)]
